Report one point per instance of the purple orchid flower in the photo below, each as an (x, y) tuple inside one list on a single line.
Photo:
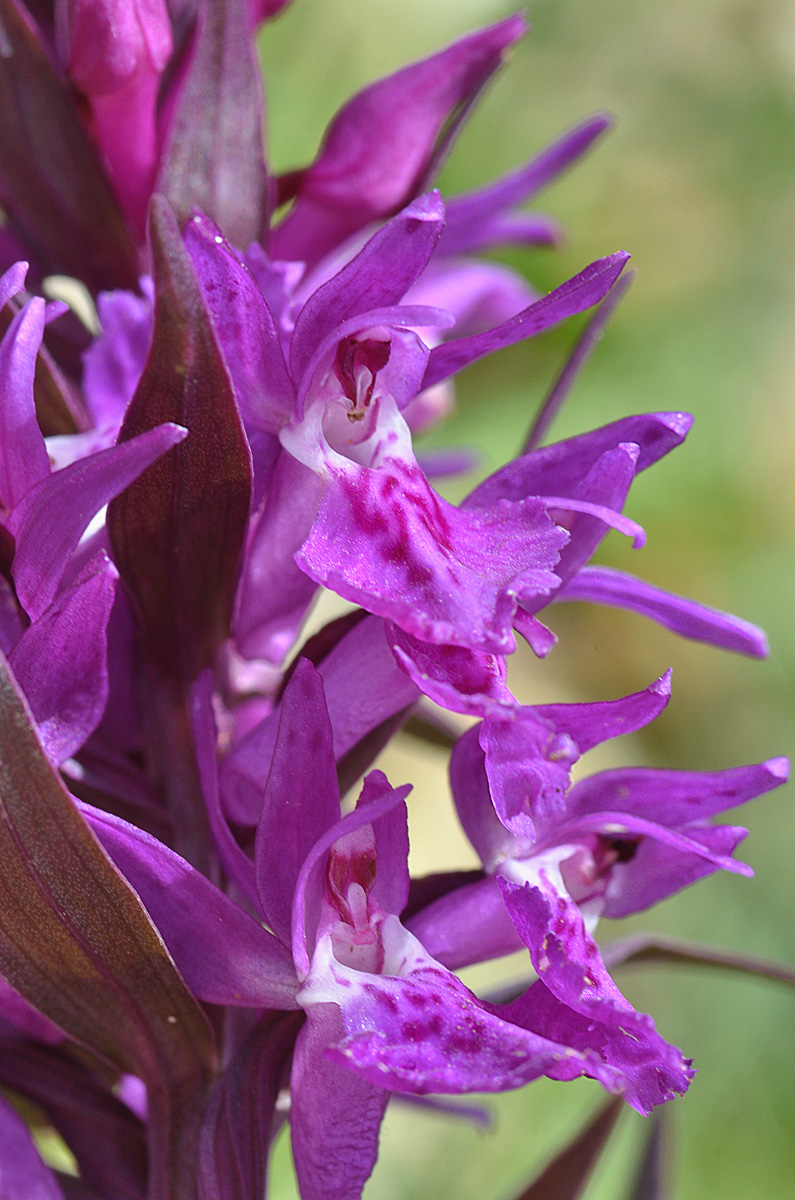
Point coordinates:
[(557, 857), (353, 362), (382, 1015), (248, 419)]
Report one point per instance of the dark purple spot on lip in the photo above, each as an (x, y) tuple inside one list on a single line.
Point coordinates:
[(383, 998), (462, 1043), (414, 1031)]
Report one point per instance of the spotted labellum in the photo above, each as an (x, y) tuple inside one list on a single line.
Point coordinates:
[(208, 928)]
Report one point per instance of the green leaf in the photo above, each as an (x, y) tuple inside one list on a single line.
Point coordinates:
[(178, 530), (76, 942)]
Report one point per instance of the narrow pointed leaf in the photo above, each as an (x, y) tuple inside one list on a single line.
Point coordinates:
[(653, 1178), (178, 531), (214, 160), (568, 1173), (77, 944), (62, 202)]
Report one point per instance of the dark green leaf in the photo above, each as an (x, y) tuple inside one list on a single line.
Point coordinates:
[(178, 531), (76, 942), (51, 180), (653, 1178)]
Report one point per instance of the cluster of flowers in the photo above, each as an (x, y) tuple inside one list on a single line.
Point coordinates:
[(207, 925)]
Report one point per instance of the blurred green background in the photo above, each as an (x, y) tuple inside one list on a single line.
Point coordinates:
[(697, 181)]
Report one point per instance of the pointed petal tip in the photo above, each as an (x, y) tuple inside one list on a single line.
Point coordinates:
[(514, 27), (632, 449), (599, 122), (662, 686), (778, 768), (428, 207), (679, 423), (740, 868)]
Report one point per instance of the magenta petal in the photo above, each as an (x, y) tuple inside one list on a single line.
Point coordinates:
[(625, 826), (559, 469), (470, 223), (478, 294), (24, 1175), (569, 965), (590, 724), (50, 519), (574, 296), (528, 764), (675, 797), (245, 326), (461, 680), (378, 277), (274, 593), (23, 456), (12, 281), (393, 317), (384, 539), (335, 1116), (125, 128), (540, 639), (224, 956), (390, 889), (473, 800), (379, 801), (386, 141), (468, 925), (114, 362), (425, 1032), (60, 661), (657, 870), (364, 687), (688, 618), (606, 484), (12, 623), (298, 805)]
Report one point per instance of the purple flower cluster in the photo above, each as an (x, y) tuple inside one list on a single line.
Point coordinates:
[(207, 924)]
